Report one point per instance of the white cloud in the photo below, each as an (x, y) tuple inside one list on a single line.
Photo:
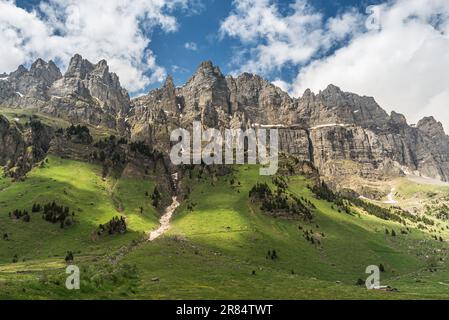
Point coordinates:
[(191, 46), (404, 65), (285, 86), (114, 30), (273, 39)]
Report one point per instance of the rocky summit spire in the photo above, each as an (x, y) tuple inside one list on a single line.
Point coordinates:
[(47, 73), (78, 67), (207, 68), (431, 127)]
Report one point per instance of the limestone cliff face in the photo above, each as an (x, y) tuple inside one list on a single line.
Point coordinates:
[(21, 146), (328, 128), (12, 143)]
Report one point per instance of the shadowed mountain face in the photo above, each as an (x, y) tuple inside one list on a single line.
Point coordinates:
[(328, 128)]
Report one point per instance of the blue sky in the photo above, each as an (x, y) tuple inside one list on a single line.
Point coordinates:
[(397, 52), (202, 29)]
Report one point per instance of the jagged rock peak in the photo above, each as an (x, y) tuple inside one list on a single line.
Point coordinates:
[(431, 126), (169, 82), (78, 67), (47, 71), (102, 64), (38, 64), (308, 94), (398, 118), (208, 68), (41, 64), (331, 90), (21, 70)]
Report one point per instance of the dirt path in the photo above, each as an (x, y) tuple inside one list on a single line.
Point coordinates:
[(165, 220)]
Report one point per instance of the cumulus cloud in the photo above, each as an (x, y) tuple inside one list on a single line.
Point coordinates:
[(273, 39), (191, 46), (404, 63), (282, 84), (114, 30)]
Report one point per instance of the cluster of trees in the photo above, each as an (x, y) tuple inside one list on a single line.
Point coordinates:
[(69, 257), (156, 197), (322, 191), (142, 148), (280, 182), (20, 215), (393, 233), (438, 238), (109, 151), (281, 201), (375, 210), (310, 237), (305, 208), (78, 133), (110, 141), (443, 215), (54, 213), (394, 214), (51, 212), (191, 206), (116, 225), (260, 191), (272, 254)]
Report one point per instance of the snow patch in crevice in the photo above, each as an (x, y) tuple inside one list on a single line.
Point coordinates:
[(331, 125)]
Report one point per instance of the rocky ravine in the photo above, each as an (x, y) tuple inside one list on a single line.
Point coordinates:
[(342, 133)]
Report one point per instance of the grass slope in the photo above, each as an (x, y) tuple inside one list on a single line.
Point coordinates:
[(211, 251)]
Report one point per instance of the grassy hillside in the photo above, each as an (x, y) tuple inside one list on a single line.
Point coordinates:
[(39, 243), (216, 248)]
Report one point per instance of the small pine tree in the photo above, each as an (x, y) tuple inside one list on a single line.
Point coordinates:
[(381, 268), (69, 256)]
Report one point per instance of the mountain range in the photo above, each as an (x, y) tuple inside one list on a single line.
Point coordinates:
[(327, 128)]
